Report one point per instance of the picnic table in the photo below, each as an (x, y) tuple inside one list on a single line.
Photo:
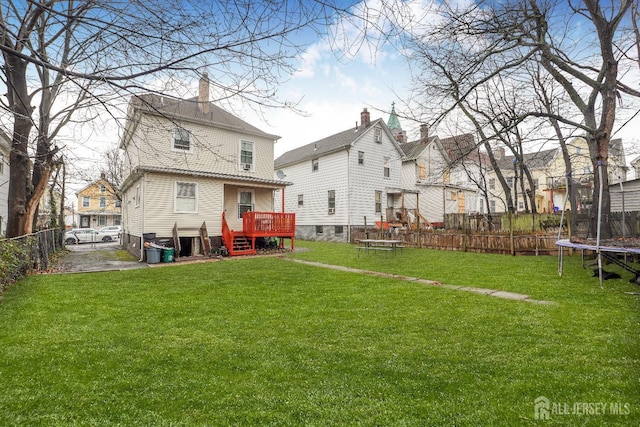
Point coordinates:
[(384, 245)]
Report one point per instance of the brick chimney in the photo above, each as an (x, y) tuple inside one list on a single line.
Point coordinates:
[(365, 118), (424, 133), (203, 94)]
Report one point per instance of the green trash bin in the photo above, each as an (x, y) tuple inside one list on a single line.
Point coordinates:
[(167, 254)]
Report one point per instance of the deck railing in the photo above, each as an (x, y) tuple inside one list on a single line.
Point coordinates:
[(269, 224)]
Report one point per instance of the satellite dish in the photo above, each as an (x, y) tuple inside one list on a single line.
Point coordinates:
[(280, 174)]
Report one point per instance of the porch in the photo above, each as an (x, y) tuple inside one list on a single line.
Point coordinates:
[(271, 227)]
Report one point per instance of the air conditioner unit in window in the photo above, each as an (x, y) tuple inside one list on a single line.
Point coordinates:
[(246, 166), (332, 210)]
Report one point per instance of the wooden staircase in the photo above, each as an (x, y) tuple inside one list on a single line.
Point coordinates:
[(241, 245), (257, 225)]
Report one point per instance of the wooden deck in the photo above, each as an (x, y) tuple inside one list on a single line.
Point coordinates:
[(256, 225)]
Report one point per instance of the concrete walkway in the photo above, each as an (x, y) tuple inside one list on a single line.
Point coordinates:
[(483, 291)]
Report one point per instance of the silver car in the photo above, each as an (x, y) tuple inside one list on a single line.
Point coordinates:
[(85, 235), (111, 230)]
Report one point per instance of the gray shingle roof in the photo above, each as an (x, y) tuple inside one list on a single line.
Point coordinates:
[(187, 109), (324, 146), (535, 160)]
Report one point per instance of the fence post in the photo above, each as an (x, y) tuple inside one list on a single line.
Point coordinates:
[(511, 242)]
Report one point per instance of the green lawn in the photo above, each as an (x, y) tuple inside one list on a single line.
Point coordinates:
[(266, 341)]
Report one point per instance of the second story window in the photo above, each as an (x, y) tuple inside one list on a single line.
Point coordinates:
[(492, 183), (387, 169), (378, 201), (86, 201), (103, 202), (300, 199), (422, 171), (246, 155), (361, 157), (1, 163), (314, 165), (181, 139)]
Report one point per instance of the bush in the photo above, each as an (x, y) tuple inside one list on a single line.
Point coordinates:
[(15, 260)]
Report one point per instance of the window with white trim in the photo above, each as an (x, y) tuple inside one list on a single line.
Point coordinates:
[(300, 199), (361, 157), (102, 220), (103, 189), (378, 201), (86, 201), (314, 165), (136, 196), (378, 135), (181, 139), (1, 163), (387, 169), (246, 155), (332, 201), (186, 197), (103, 202)]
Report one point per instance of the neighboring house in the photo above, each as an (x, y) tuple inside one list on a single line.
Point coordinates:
[(189, 163), (5, 151), (625, 197), (547, 169), (343, 180), (98, 205), (445, 172), (44, 209)]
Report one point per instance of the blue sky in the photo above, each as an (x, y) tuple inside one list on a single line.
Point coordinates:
[(334, 86)]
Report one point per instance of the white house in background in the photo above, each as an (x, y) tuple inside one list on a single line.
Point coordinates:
[(445, 173), (5, 151), (189, 163), (342, 179)]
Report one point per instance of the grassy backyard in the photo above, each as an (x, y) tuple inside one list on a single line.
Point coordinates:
[(267, 341)]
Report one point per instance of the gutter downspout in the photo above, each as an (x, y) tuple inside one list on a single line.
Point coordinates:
[(348, 197), (142, 181)]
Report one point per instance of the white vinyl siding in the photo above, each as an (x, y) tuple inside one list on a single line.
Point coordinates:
[(220, 151)]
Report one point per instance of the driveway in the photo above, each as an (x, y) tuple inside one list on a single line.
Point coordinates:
[(91, 257)]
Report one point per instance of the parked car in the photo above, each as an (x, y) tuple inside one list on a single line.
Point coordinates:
[(85, 235), (111, 230)]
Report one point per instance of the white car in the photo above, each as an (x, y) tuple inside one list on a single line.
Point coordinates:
[(111, 230), (85, 235)]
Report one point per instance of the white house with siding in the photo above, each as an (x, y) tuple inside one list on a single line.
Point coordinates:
[(5, 151), (343, 179), (186, 162)]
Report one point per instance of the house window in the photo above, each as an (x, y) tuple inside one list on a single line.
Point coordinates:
[(332, 201), (103, 202), (117, 203), (361, 157), (586, 170), (86, 201), (1, 163), (245, 202), (510, 181), (378, 201), (103, 189), (454, 195), (446, 177), (246, 155), (102, 220), (422, 171), (338, 229), (116, 220), (387, 172), (492, 184), (186, 197), (181, 139), (300, 199), (378, 135), (319, 229), (136, 197), (492, 205), (314, 165), (520, 206)]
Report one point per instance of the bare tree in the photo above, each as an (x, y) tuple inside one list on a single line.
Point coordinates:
[(64, 57), (472, 45)]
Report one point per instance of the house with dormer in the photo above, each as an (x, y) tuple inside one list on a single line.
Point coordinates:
[(199, 177), (344, 180)]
